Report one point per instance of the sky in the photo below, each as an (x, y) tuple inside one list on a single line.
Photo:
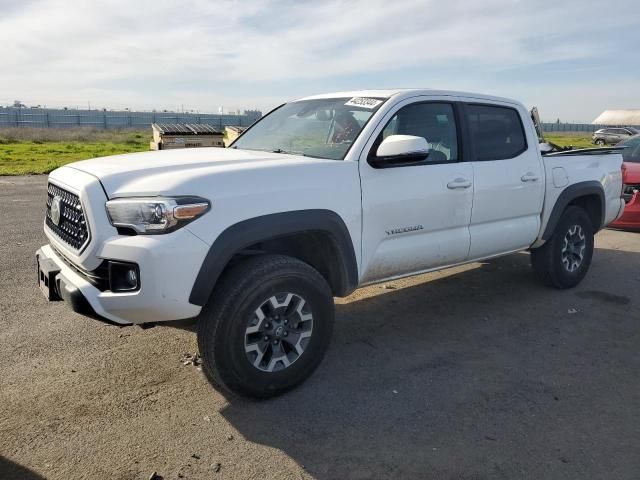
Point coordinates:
[(572, 59)]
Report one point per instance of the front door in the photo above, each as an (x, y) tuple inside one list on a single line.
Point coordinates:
[(416, 217)]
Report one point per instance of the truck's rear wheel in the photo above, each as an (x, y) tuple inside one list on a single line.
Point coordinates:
[(266, 327), (564, 260)]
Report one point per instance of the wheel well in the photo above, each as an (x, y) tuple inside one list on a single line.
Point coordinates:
[(316, 248), (593, 206)]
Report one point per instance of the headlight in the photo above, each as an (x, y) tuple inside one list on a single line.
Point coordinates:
[(153, 215)]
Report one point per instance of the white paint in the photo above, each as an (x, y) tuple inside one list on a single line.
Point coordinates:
[(401, 220), (402, 145), (560, 177), (507, 197)]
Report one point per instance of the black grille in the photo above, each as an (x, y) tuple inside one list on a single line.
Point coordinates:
[(72, 227), (628, 191), (99, 277)]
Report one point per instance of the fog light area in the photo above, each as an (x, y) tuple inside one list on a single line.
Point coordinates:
[(123, 277)]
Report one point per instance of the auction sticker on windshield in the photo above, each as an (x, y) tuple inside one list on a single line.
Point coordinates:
[(363, 102)]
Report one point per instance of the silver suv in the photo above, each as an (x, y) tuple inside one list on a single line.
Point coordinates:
[(611, 136)]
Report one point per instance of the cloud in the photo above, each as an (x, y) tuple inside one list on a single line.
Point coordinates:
[(253, 52)]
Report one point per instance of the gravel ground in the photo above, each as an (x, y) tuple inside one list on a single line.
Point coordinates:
[(471, 373)]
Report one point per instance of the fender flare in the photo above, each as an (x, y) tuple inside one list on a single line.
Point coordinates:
[(569, 194), (269, 227)]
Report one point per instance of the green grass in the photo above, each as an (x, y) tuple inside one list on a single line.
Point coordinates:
[(25, 151), (577, 140), (32, 151)]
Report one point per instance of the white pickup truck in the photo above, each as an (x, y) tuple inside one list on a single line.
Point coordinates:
[(321, 196)]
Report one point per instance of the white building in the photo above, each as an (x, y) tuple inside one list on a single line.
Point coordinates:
[(618, 117)]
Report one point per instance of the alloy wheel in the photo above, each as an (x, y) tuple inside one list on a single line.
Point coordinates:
[(573, 247), (278, 332)]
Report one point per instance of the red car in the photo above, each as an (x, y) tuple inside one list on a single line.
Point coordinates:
[(630, 219)]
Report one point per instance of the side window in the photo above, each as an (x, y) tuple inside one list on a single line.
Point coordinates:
[(497, 132), (434, 122)]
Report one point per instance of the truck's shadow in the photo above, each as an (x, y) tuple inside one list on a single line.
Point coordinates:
[(479, 374), (13, 471)]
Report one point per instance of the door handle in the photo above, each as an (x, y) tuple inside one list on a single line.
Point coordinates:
[(529, 177), (458, 183)]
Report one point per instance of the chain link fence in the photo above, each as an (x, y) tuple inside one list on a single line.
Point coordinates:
[(59, 118), (577, 127)]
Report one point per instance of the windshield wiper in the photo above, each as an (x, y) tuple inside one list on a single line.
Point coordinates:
[(280, 150), (302, 154)]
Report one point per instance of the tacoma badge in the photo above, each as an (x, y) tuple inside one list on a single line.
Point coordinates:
[(397, 231)]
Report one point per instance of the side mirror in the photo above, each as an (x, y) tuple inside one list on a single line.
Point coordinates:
[(401, 149)]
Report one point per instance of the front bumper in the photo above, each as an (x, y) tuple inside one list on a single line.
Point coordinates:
[(168, 267), (61, 288)]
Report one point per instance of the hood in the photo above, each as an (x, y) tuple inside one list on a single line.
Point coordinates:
[(166, 171), (631, 173)]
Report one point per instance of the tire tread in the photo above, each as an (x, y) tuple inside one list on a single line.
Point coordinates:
[(232, 284), (543, 259)]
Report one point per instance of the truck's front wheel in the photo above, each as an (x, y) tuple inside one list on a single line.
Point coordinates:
[(564, 260), (266, 327)]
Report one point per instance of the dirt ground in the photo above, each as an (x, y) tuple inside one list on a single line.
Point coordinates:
[(475, 372)]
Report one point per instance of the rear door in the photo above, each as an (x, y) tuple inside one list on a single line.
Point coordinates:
[(508, 179), (416, 216), (614, 136)]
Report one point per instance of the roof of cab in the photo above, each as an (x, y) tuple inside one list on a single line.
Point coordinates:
[(402, 93)]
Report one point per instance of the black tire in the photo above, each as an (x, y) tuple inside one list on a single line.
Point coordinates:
[(600, 142), (241, 292), (547, 261)]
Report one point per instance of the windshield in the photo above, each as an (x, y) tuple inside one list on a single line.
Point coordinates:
[(632, 152), (323, 128)]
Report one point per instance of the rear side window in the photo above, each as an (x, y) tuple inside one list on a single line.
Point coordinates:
[(497, 132)]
